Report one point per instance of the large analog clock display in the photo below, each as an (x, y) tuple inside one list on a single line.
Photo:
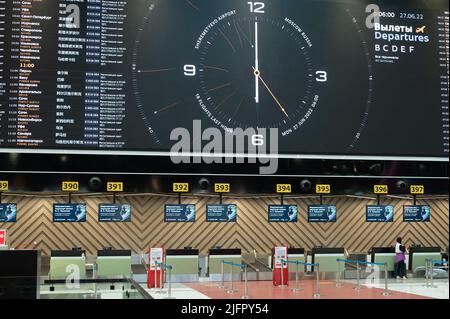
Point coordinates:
[(302, 78), (242, 64)]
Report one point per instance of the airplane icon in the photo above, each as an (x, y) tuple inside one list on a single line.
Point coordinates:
[(421, 29)]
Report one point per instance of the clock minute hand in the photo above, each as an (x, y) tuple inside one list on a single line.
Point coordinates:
[(256, 64), (258, 73)]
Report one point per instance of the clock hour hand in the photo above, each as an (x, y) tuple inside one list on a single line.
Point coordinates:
[(258, 75)]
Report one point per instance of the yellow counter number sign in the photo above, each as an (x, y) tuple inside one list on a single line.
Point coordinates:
[(380, 189), (284, 188), (222, 188), (70, 186), (4, 186), (114, 187), (323, 189), (417, 189), (180, 187)]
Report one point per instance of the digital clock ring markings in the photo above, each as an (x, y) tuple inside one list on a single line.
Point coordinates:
[(190, 2), (366, 113), (157, 70), (165, 108)]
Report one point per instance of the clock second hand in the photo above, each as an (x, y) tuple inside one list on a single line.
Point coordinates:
[(258, 75)]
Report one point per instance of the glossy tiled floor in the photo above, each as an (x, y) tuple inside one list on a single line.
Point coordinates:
[(411, 289), (418, 287)]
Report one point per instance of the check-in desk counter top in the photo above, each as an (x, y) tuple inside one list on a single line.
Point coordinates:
[(383, 255), (418, 255), (185, 264), (113, 264), (326, 258), (60, 260), (215, 258)]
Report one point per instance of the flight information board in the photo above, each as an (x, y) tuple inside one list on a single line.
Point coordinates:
[(336, 78)]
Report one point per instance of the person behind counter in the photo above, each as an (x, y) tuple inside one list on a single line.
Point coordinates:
[(400, 257)]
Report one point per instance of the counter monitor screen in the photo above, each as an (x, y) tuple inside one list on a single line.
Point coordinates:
[(69, 213), (8, 213)]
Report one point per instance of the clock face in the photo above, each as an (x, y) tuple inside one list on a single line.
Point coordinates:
[(241, 64), (245, 80)]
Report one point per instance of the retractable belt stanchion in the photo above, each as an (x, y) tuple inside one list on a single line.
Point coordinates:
[(161, 278), (432, 274), (222, 285), (386, 291), (427, 275), (358, 275), (296, 288), (245, 296), (242, 268), (436, 264), (282, 285), (317, 294), (158, 265), (338, 277), (231, 290), (297, 263), (169, 288), (156, 276)]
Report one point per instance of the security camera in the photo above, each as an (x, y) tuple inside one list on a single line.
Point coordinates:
[(305, 185), (95, 184)]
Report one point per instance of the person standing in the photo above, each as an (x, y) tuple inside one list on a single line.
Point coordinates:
[(400, 257)]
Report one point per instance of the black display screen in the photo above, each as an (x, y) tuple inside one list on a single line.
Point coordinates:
[(333, 77)]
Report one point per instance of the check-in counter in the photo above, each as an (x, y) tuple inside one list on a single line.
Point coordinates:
[(326, 258), (383, 255), (62, 263), (296, 254), (418, 256), (185, 264), (113, 264), (215, 258)]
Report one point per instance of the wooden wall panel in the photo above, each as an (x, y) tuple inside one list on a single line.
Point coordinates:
[(251, 232)]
